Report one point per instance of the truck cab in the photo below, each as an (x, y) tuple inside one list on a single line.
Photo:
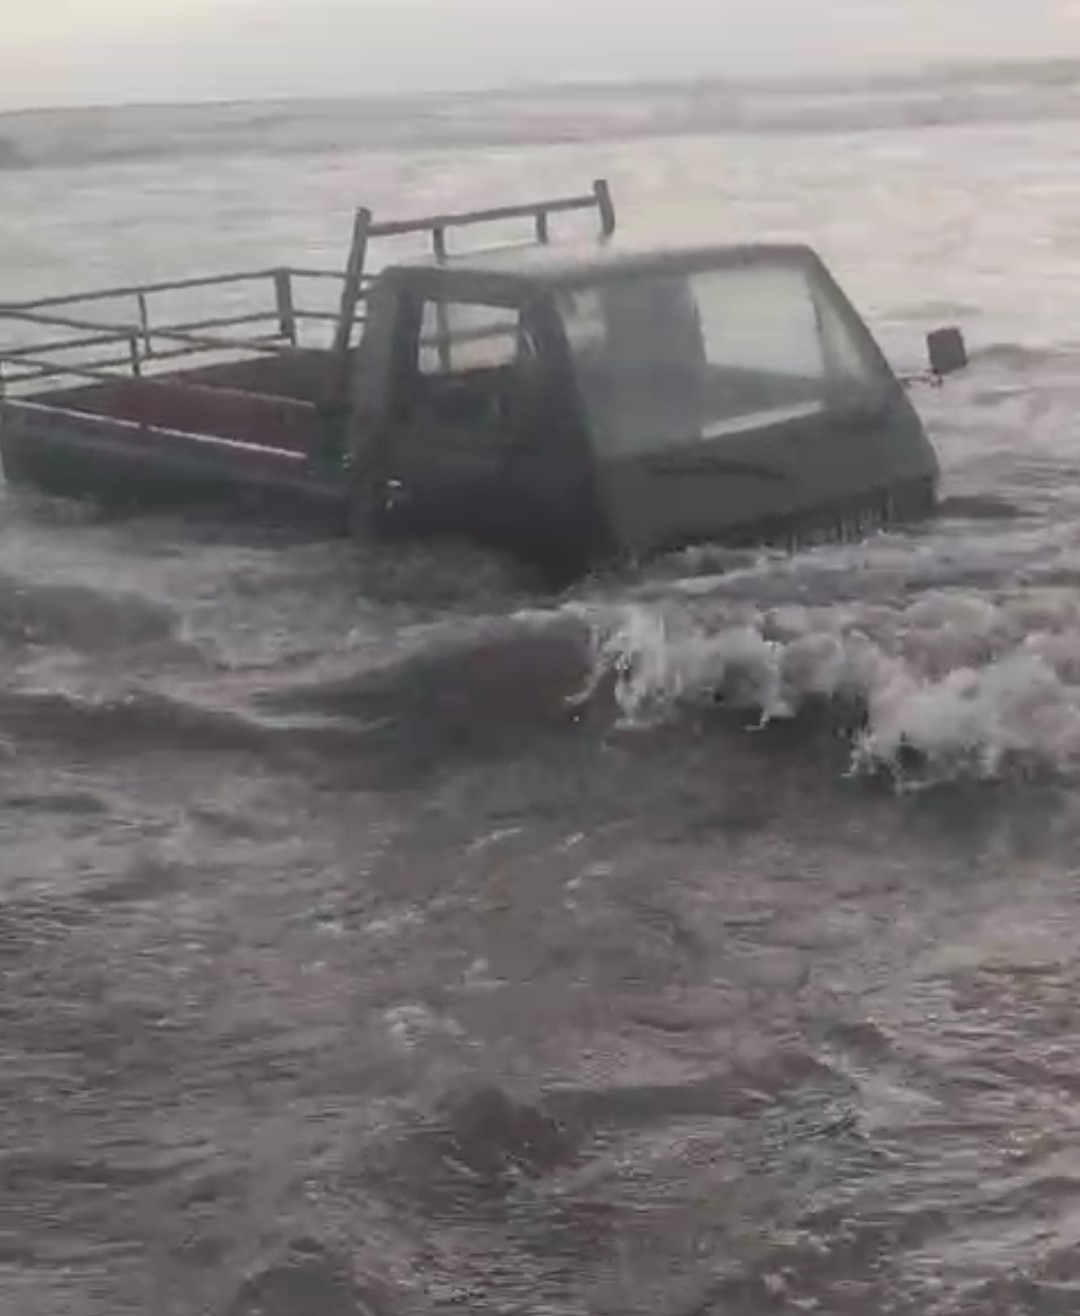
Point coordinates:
[(575, 405)]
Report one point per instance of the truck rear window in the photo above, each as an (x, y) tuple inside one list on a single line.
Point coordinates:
[(456, 337)]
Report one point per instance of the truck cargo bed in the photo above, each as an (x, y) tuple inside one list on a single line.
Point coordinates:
[(98, 396), (249, 427)]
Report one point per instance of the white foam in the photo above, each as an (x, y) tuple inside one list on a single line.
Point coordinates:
[(967, 683)]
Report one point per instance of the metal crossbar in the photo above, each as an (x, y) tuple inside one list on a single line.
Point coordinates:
[(599, 199)]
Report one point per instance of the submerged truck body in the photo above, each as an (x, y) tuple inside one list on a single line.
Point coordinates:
[(569, 404)]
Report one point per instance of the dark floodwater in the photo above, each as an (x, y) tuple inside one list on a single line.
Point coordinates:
[(350, 965)]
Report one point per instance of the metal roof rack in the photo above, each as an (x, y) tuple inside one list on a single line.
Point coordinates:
[(365, 229)]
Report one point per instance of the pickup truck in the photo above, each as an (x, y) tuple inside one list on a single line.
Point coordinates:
[(569, 403)]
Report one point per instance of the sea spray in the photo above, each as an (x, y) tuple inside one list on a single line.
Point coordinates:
[(959, 683)]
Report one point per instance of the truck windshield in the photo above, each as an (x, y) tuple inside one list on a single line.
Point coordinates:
[(672, 358)]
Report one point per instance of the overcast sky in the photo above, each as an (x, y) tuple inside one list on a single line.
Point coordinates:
[(77, 51)]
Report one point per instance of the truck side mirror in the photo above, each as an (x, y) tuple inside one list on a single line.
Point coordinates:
[(947, 351)]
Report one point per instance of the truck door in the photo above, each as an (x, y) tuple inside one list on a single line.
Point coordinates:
[(460, 425)]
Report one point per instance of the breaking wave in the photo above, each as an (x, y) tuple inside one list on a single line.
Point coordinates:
[(951, 684)]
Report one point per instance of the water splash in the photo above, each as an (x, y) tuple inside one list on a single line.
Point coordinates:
[(962, 684)]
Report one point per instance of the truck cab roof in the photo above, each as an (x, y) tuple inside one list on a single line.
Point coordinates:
[(509, 273)]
